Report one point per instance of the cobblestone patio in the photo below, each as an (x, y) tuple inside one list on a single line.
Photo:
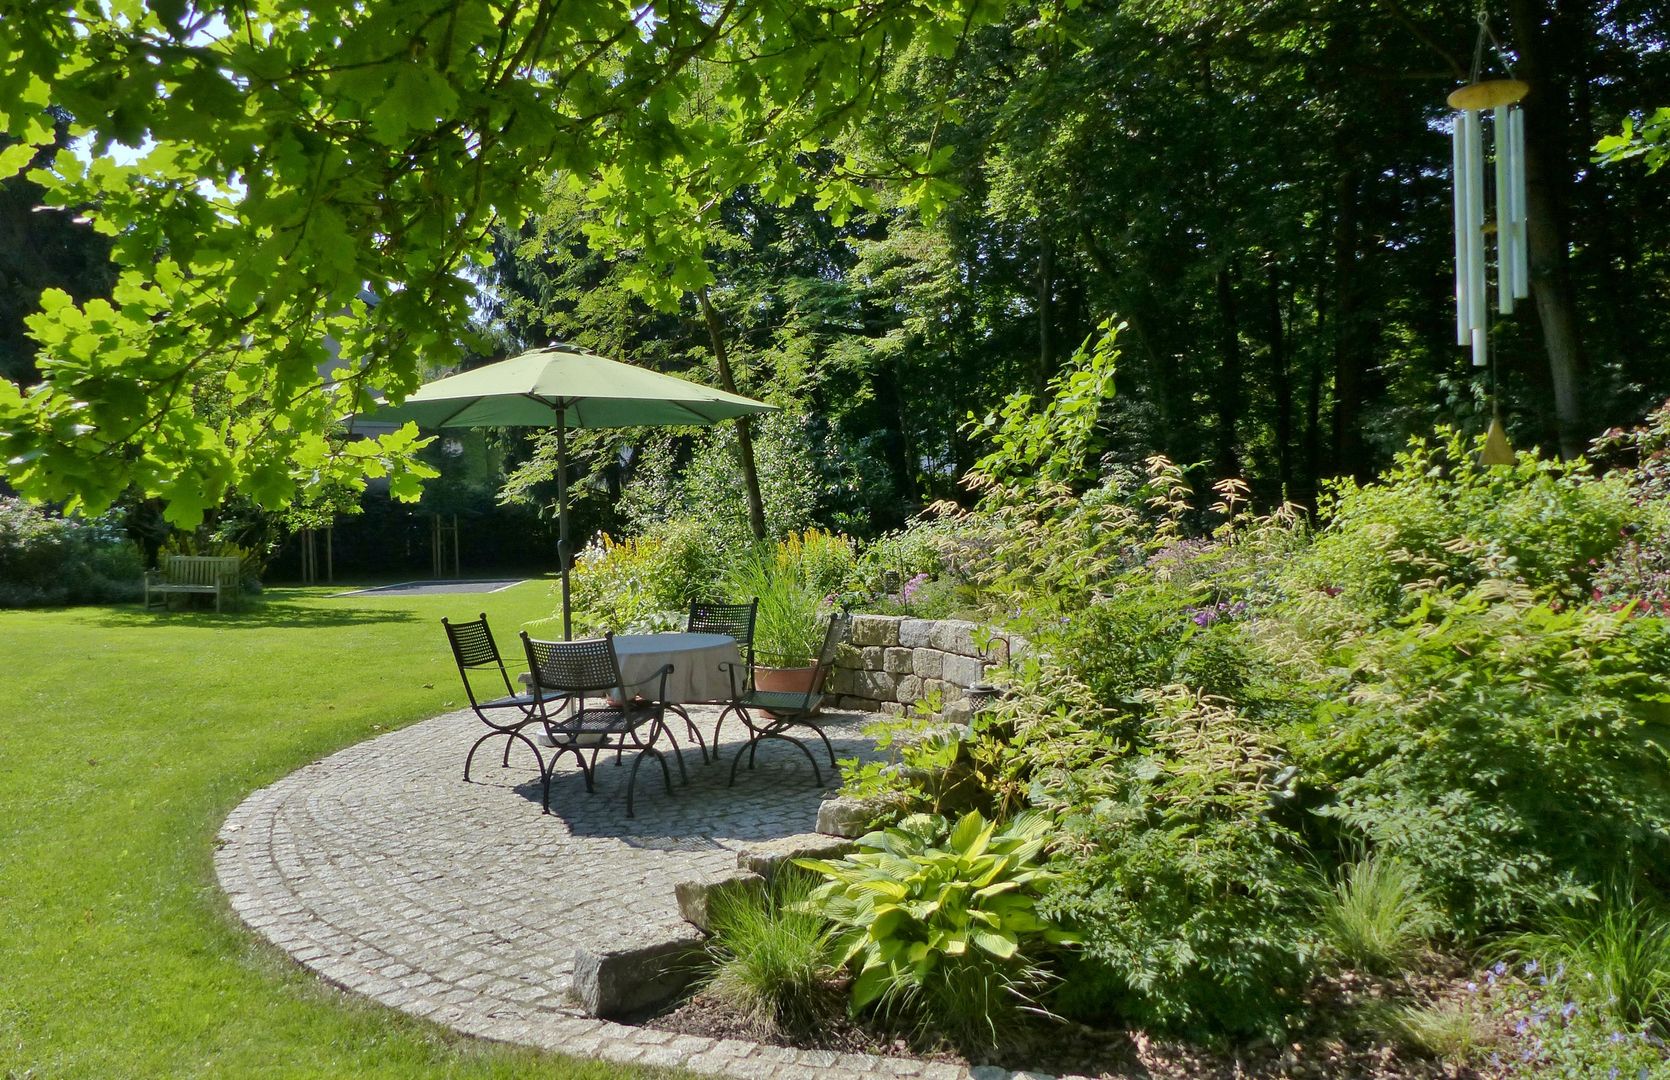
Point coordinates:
[(382, 871)]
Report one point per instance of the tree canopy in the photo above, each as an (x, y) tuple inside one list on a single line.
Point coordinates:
[(289, 160)]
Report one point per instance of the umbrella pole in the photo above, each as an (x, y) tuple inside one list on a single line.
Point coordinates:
[(562, 518)]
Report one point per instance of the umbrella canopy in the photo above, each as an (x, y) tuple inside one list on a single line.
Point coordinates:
[(564, 387)]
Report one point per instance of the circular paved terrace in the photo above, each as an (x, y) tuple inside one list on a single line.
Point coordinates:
[(385, 873)]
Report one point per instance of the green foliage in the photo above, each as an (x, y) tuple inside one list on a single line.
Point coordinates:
[(940, 921), (47, 559), (375, 146), (1438, 518), (1509, 749), (1553, 1028), (1375, 915), (1056, 443), (1453, 1031), (772, 958), (788, 625), (1649, 140), (1611, 955), (634, 584), (1188, 887)]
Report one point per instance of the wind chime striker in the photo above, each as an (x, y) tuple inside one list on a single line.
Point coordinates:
[(1500, 98)]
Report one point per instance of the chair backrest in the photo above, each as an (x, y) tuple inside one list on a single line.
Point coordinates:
[(573, 667), (473, 648), (833, 635), (737, 620)]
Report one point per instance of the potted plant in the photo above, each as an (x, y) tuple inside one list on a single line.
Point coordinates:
[(788, 628)]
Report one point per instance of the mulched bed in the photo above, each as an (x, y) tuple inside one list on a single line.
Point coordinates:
[(1334, 1049)]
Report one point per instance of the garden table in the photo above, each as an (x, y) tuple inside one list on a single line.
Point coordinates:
[(698, 673)]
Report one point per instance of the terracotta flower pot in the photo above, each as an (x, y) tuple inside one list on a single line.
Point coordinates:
[(784, 680)]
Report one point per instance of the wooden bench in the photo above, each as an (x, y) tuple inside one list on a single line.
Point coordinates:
[(192, 574)]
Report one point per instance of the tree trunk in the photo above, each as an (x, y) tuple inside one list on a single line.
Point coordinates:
[(1349, 359), (1281, 383), (1547, 128), (1046, 286), (1230, 392), (744, 435)]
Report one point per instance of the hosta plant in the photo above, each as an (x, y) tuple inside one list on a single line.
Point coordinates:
[(940, 921)]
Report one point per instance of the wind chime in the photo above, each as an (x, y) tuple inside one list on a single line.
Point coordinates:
[(1500, 98)]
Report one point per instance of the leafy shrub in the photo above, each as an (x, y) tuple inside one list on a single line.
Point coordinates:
[(1438, 519), (1550, 1030), (772, 959), (1507, 748), (1375, 914), (943, 926), (1187, 886), (48, 559), (632, 584)]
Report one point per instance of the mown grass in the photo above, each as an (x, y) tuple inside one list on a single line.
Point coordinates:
[(126, 738)]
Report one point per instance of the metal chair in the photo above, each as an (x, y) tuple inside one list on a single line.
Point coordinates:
[(474, 650), (783, 711), (575, 671), (735, 621)]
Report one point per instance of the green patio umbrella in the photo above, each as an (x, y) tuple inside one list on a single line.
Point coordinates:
[(564, 387)]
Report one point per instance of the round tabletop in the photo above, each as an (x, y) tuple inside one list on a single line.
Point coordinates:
[(698, 673)]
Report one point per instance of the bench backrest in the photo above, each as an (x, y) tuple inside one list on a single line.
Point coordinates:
[(201, 569)]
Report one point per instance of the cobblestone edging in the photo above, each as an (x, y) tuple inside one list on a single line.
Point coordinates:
[(383, 873), (891, 662)]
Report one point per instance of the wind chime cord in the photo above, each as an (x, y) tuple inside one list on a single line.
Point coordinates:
[(1487, 34)]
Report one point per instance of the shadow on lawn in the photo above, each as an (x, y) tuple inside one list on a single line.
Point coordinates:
[(257, 614)]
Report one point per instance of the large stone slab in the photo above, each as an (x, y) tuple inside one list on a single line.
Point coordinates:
[(614, 983), (917, 633), (766, 858), (875, 630), (696, 895), (963, 671)]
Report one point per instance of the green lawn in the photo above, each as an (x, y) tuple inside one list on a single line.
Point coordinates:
[(127, 737)]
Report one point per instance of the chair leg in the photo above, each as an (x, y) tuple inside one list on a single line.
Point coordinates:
[(632, 779), (684, 777), (549, 773), (753, 744), (690, 726)]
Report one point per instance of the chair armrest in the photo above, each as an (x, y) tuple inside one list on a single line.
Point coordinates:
[(731, 671)]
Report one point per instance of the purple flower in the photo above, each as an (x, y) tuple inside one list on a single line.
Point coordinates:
[(911, 586), (1472, 988), (1501, 968), (1568, 1010), (1530, 967)]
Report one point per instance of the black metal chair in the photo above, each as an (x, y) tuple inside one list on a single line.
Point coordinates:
[(575, 671), (781, 711), (474, 650), (735, 621)]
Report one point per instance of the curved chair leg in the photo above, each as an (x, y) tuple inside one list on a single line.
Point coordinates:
[(549, 773), (761, 737), (632, 780), (470, 757), (690, 726), (717, 724), (684, 777), (826, 745)]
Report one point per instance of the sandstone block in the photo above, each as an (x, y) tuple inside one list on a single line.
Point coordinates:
[(916, 633), (963, 671), (909, 689), (955, 636), (696, 896), (615, 982), (767, 856), (927, 663), (872, 657), (875, 629), (851, 817), (897, 661)]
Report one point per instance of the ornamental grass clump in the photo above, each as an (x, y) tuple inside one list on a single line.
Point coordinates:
[(772, 958), (1613, 956), (939, 923), (1375, 914)]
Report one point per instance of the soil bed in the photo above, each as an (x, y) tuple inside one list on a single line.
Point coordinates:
[(1332, 1049)]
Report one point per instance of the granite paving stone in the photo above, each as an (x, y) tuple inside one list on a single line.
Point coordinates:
[(386, 874)]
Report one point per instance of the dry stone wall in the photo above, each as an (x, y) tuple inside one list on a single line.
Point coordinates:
[(891, 662)]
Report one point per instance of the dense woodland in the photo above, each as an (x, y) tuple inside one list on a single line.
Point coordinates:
[(1260, 192)]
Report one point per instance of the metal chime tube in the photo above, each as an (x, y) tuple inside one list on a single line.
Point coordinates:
[(1458, 153), (1521, 247), (1476, 298), (1502, 142)]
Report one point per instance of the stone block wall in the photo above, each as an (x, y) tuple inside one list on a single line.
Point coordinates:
[(890, 662)]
